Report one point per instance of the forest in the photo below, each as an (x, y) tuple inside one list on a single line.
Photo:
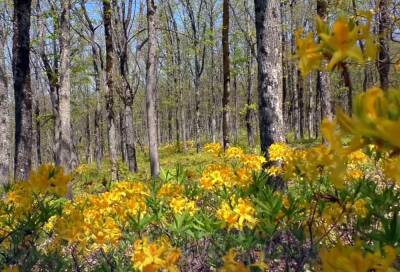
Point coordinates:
[(200, 135)]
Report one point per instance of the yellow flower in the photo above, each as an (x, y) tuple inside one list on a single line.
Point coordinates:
[(333, 214), (253, 162), (353, 259), (244, 177), (155, 256), (231, 265), (239, 214), (214, 149), (308, 52), (49, 178), (180, 205), (274, 171), (359, 208), (391, 168), (12, 268), (375, 120), (234, 153), (280, 152), (343, 41), (169, 190)]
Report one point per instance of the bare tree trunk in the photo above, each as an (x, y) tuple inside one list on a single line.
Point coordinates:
[(236, 122), (384, 36), (181, 111), (89, 157), (37, 156), (151, 89), (109, 94), (22, 89), (311, 113), (269, 49), (65, 147), (226, 76), (323, 79), (122, 134), (212, 81), (4, 115), (300, 107), (99, 86), (249, 110), (169, 117), (130, 140), (37, 133)]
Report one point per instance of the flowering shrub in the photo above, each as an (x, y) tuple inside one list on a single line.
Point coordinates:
[(338, 211)]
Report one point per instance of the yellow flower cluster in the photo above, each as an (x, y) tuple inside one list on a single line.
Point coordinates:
[(45, 181), (353, 259), (94, 222), (232, 265), (237, 214), (336, 44), (235, 172), (214, 149), (155, 256), (317, 161), (181, 205), (375, 121), (234, 153), (170, 189)]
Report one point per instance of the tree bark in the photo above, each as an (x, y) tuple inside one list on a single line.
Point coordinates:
[(22, 89), (109, 93), (269, 49), (323, 79), (130, 140), (249, 111), (65, 145), (226, 76), (300, 105), (4, 115), (384, 34), (151, 90)]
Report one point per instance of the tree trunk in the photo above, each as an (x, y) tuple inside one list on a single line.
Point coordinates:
[(88, 140), (300, 107), (151, 89), (226, 76), (4, 115), (109, 94), (323, 79), (384, 34), (22, 89), (249, 110), (65, 146), (99, 87), (130, 139), (269, 49), (236, 122)]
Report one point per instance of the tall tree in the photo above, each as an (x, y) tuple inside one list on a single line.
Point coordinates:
[(128, 92), (270, 86), (198, 34), (4, 113), (151, 90), (226, 75), (323, 80), (384, 34), (99, 82), (110, 91), (22, 89), (65, 145)]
